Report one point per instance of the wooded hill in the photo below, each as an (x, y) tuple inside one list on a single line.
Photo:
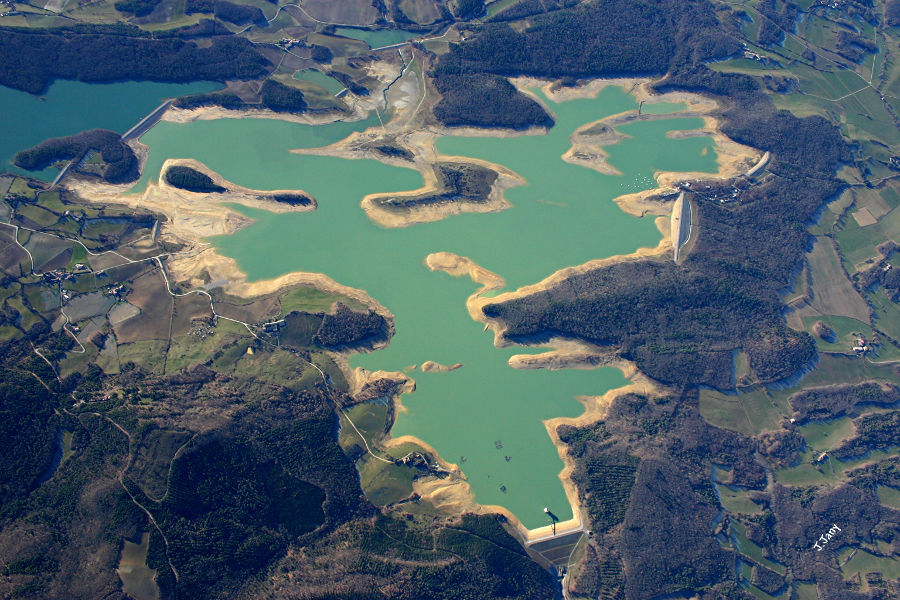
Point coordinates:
[(32, 60), (725, 296)]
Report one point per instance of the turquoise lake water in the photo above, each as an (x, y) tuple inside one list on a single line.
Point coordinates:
[(70, 107), (564, 216)]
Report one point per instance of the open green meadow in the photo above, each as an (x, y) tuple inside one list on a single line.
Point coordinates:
[(755, 409)]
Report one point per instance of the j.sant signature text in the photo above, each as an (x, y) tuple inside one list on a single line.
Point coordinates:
[(826, 537)]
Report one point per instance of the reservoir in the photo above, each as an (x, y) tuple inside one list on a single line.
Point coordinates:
[(70, 107), (485, 411)]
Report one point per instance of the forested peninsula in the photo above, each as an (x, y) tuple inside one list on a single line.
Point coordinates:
[(725, 295)]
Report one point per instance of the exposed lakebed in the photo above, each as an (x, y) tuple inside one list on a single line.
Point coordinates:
[(485, 411)]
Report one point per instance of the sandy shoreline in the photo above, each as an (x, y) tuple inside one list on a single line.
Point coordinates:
[(209, 113), (566, 354), (235, 193), (191, 218)]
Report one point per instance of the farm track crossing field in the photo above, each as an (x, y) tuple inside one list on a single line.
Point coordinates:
[(251, 312), (49, 252)]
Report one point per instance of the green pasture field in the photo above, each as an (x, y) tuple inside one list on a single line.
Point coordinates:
[(52, 202), (79, 254), (832, 291), (804, 591), (108, 357), (9, 332), (189, 350), (384, 483), (756, 409), (748, 413), (36, 214), (149, 354), (494, 7), (6, 292), (845, 328), (830, 472), (86, 282), (102, 11), (32, 16), (330, 368), (29, 318), (736, 501), (339, 46), (19, 187), (887, 314), (827, 435), (747, 66), (369, 419), (889, 496), (758, 593), (313, 300), (319, 79), (751, 550), (77, 362), (96, 228), (279, 367), (858, 244), (181, 20), (865, 562)]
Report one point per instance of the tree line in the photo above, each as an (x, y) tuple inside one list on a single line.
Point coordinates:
[(32, 60), (600, 38), (121, 164)]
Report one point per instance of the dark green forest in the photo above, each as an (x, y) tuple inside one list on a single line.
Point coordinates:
[(225, 100), (191, 180), (817, 404), (346, 327), (258, 499), (268, 477), (282, 98), (600, 38), (121, 164), (138, 8), (486, 100), (32, 60), (725, 296)]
